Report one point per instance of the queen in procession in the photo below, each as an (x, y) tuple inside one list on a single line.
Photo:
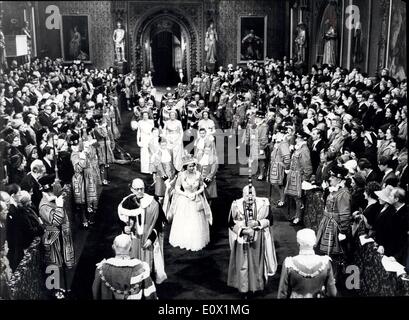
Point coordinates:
[(189, 209)]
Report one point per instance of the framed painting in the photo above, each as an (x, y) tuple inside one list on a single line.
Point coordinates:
[(252, 38), (75, 38), (396, 47)]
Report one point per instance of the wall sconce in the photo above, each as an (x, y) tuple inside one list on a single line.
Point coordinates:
[(146, 45)]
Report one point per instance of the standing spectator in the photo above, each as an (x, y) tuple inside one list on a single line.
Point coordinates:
[(300, 170), (279, 162), (57, 234), (388, 172), (335, 225), (30, 182)]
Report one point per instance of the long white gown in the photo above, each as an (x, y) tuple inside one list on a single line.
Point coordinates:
[(191, 218), (144, 136)]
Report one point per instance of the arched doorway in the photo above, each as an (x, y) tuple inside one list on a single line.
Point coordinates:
[(166, 54), (162, 38)]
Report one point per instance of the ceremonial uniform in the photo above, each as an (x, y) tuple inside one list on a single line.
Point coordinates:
[(145, 219), (84, 182), (257, 140), (193, 115), (196, 84), (164, 169), (208, 172), (221, 108), (214, 88), (337, 219), (305, 275), (279, 162), (205, 87), (252, 261), (123, 279), (56, 221), (104, 149), (300, 170)]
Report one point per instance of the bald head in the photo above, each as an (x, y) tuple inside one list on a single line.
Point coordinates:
[(122, 244), (138, 187)]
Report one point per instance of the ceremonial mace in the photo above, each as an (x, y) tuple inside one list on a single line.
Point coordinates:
[(249, 215)]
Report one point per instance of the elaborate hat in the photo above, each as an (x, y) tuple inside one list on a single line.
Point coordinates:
[(339, 172), (281, 128), (46, 182), (188, 159), (74, 139), (29, 149), (302, 134), (385, 194), (260, 114)]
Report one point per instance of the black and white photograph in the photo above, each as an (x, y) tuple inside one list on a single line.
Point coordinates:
[(225, 153)]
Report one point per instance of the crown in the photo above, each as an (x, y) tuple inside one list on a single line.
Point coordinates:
[(188, 159)]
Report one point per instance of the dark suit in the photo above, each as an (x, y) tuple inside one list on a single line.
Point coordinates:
[(404, 178), (322, 173), (315, 154), (389, 178), (45, 120), (49, 167), (400, 235), (30, 184), (385, 228), (373, 176)]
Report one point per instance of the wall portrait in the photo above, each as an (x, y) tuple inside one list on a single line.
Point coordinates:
[(75, 40), (396, 48), (252, 38)]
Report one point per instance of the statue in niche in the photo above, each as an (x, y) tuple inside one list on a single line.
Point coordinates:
[(119, 43), (301, 43), (330, 37), (210, 43)]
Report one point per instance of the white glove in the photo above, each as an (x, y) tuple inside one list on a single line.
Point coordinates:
[(341, 236), (59, 201)]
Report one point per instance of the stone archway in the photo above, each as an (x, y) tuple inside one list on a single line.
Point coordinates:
[(164, 18)]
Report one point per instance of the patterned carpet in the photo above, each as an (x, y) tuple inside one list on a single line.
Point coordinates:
[(199, 275)]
